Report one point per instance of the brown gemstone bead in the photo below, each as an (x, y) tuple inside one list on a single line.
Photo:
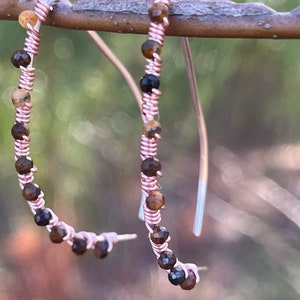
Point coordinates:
[(100, 249), (20, 58), (28, 17), (167, 260), (151, 128), (57, 234), (19, 130), (159, 235), (155, 200), (23, 165), (31, 191), (150, 166), (190, 282), (150, 47), (157, 12), (20, 97), (79, 246)]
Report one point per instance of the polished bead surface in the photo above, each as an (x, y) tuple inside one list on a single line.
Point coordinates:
[(31, 191), (42, 217), (20, 58), (79, 246), (23, 165), (176, 276), (167, 260), (157, 12), (151, 128), (28, 17), (149, 82), (57, 234), (19, 130), (150, 47), (190, 282), (155, 200), (150, 166), (100, 249), (20, 97), (159, 235)]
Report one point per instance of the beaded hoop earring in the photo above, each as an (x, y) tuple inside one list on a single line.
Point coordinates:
[(59, 231)]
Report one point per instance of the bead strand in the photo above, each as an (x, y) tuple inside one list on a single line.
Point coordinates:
[(185, 275), (59, 231)]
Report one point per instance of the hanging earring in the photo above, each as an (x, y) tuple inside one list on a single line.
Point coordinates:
[(59, 231)]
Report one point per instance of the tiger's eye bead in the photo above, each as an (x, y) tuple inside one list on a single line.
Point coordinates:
[(190, 282), (149, 82), (20, 97), (20, 58), (28, 17), (19, 130), (159, 235), (176, 276), (100, 249), (157, 12), (79, 246), (151, 128), (150, 47), (155, 200), (42, 217), (167, 260), (57, 234), (23, 165), (150, 166), (31, 191)]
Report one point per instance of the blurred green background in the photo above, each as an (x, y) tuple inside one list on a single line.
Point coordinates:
[(85, 132)]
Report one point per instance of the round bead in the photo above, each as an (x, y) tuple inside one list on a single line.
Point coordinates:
[(167, 260), (100, 249), (79, 246), (57, 234), (20, 97), (158, 11), (42, 217), (28, 17), (149, 82), (150, 47), (150, 166), (23, 165), (19, 130), (190, 282), (20, 58), (155, 200), (151, 128), (31, 191), (159, 235), (176, 276)]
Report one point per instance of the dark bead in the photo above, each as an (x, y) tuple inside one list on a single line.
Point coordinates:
[(151, 128), (150, 47), (23, 165), (19, 130), (20, 58), (20, 97), (31, 191), (100, 249), (150, 166), (57, 234), (79, 246), (157, 12), (149, 82), (190, 282), (176, 276), (42, 217), (159, 235), (155, 200), (167, 260)]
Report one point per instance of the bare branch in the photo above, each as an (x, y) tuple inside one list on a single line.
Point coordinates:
[(223, 18)]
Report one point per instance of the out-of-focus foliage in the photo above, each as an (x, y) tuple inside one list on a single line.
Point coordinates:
[(85, 141)]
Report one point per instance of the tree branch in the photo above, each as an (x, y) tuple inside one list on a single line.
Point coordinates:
[(222, 19)]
